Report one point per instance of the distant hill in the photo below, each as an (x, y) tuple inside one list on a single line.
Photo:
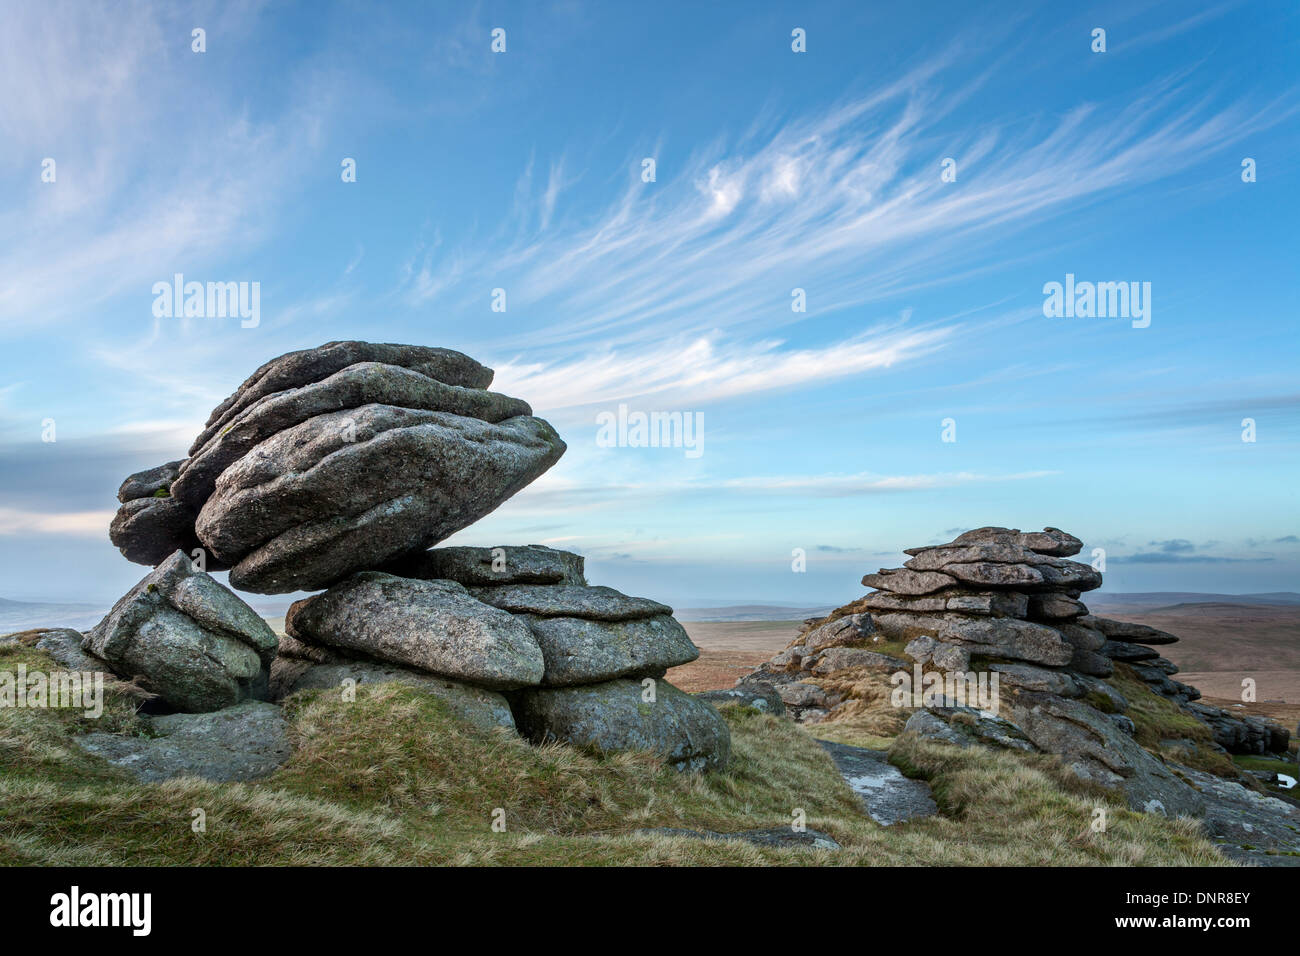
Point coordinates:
[(750, 612), (1168, 598), (21, 615)]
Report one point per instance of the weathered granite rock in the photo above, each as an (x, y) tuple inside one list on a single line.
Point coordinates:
[(152, 482), (243, 742), (762, 697), (353, 489), (61, 643), (187, 638), (579, 651), (296, 369), (514, 564), (836, 659), (1132, 633), (614, 716), (1049, 541), (1095, 749), (1040, 679), (968, 728), (366, 383), (841, 632), (569, 600), (1124, 651), (1084, 638), (1009, 638), (903, 581), (778, 838), (151, 525), (1093, 663), (1050, 607), (432, 626), (994, 574)]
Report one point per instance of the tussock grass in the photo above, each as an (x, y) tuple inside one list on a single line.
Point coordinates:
[(393, 778), (1159, 719)]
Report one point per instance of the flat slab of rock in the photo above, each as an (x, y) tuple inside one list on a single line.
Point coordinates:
[(842, 632), (1010, 638), (63, 644), (570, 600), (1132, 633), (1049, 541), (431, 626), (506, 564), (761, 697), (685, 732), (187, 638), (774, 837), (836, 659), (357, 488), (244, 742), (579, 651), (903, 581), (888, 796)]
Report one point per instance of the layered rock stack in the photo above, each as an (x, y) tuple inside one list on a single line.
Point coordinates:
[(513, 636), (333, 469), (1001, 602)]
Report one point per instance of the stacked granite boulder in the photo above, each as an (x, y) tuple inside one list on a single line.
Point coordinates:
[(335, 468), (518, 631), (334, 460), (1006, 603)]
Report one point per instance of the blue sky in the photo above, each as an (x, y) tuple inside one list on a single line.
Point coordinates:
[(775, 170)]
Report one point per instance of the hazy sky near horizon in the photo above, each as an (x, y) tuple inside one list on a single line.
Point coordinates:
[(774, 171)]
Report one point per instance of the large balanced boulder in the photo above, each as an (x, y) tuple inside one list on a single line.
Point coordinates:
[(431, 626), (615, 716), (353, 489), (337, 459), (366, 383), (187, 638)]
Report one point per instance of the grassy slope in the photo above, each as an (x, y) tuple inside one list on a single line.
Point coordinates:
[(394, 779)]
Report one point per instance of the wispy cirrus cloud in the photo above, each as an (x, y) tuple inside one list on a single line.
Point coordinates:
[(847, 204), (690, 372)]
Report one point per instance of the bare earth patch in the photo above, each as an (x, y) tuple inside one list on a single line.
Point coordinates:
[(728, 651)]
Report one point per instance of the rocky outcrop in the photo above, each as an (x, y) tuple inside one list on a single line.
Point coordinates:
[(335, 469), (517, 638), (430, 626), (1004, 606), (244, 742), (628, 715), (335, 460), (182, 635)]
